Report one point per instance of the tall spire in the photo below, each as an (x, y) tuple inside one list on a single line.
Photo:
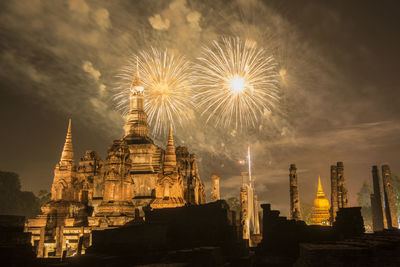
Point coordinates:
[(320, 191), (67, 155), (136, 127), (170, 156)]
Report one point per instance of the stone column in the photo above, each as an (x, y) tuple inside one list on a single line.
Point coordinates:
[(215, 187), (40, 249), (244, 204), (378, 224), (390, 202), (295, 212), (378, 213), (334, 193), (59, 240), (342, 190)]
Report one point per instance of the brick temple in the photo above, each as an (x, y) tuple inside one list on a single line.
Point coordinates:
[(97, 194)]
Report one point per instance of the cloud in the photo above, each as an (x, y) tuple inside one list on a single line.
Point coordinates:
[(54, 52), (17, 65), (158, 23), (102, 18), (193, 18), (88, 67), (79, 6)]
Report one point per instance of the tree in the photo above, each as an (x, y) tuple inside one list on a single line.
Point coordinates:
[(364, 195), (364, 201), (234, 205), (306, 210), (13, 201)]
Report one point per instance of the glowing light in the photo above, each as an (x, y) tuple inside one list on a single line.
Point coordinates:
[(235, 82), (139, 89), (166, 84)]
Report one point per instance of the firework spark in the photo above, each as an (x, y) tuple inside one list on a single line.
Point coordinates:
[(166, 79), (235, 83)]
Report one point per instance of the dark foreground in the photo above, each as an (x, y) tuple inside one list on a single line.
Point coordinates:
[(208, 235)]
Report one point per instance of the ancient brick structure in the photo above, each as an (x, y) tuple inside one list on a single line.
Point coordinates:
[(320, 212), (349, 222), (334, 200), (15, 244), (90, 169), (194, 190), (62, 222), (342, 190), (116, 208), (215, 187), (338, 189), (285, 240), (390, 202), (169, 187), (295, 213), (378, 215), (96, 195), (244, 212)]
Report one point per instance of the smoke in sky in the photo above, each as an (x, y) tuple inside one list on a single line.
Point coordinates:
[(66, 55)]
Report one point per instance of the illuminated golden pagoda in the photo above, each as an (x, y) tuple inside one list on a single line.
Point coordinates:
[(320, 212)]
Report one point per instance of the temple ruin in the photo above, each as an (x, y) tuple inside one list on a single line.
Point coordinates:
[(97, 194)]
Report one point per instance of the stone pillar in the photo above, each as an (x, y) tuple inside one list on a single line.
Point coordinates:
[(46, 252), (334, 193), (40, 249), (376, 202), (390, 202), (244, 204), (377, 224), (59, 240), (215, 187), (295, 212), (80, 240), (342, 190)]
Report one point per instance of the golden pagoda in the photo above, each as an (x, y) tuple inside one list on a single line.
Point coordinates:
[(320, 212)]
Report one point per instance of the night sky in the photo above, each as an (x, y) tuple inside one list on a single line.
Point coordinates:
[(339, 96)]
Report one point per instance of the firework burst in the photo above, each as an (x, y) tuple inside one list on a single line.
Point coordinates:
[(166, 79), (235, 83)]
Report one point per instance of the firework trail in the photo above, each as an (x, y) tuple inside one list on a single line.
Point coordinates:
[(167, 87), (235, 83)]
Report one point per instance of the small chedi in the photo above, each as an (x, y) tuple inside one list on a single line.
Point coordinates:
[(320, 213), (97, 194)]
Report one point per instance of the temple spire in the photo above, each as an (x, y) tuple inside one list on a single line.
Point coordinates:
[(67, 155), (170, 156), (320, 191), (136, 127)]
